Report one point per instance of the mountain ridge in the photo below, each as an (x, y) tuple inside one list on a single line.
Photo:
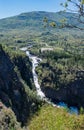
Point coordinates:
[(35, 19)]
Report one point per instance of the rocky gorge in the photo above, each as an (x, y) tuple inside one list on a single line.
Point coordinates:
[(16, 84), (71, 94)]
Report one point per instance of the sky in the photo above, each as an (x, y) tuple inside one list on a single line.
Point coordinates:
[(14, 7)]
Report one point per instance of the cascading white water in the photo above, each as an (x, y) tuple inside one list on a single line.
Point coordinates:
[(35, 61)]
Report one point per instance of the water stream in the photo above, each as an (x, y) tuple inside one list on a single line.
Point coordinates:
[(35, 62)]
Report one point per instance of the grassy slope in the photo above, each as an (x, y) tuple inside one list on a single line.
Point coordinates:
[(50, 118)]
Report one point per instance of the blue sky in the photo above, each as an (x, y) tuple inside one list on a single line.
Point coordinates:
[(14, 7)]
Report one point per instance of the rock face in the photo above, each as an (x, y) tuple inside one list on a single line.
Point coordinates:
[(12, 92), (73, 94), (24, 67)]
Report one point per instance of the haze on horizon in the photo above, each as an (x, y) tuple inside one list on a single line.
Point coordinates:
[(14, 7)]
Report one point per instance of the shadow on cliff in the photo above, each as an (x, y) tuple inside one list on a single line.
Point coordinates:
[(12, 91)]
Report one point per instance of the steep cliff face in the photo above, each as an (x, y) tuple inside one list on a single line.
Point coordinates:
[(12, 89), (12, 92), (24, 66), (72, 94)]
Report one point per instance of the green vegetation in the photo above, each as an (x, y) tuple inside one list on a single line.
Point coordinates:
[(16, 31), (61, 70), (50, 118), (61, 76), (8, 120)]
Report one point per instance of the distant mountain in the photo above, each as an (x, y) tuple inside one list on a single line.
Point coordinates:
[(34, 20)]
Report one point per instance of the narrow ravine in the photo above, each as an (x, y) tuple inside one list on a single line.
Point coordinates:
[(35, 62)]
